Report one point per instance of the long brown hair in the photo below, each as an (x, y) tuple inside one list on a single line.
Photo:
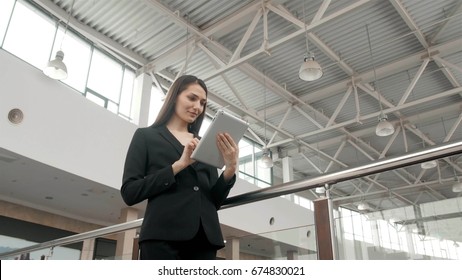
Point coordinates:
[(168, 108)]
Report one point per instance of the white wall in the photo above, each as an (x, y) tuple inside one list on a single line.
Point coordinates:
[(61, 128)]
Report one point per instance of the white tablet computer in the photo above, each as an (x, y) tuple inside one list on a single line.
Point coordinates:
[(207, 150)]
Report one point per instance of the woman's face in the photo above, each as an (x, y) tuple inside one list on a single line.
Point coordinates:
[(190, 103)]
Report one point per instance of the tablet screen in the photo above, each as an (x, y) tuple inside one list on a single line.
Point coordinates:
[(207, 150)]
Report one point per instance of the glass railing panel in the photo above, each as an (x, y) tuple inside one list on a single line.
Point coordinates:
[(105, 248), (68, 252), (294, 243), (424, 231), (96, 244), (100, 248)]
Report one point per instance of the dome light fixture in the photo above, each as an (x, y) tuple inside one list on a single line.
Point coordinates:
[(320, 190), (266, 161), (56, 69), (428, 164), (310, 70), (457, 187), (384, 127), (363, 206)]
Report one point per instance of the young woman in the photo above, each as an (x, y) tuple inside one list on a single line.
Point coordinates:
[(181, 220)]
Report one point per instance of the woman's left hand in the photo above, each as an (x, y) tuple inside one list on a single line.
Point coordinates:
[(230, 151)]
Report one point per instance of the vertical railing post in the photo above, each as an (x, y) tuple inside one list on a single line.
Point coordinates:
[(323, 225), (136, 249), (330, 206)]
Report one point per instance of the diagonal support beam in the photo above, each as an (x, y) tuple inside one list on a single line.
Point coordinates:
[(339, 107), (303, 113), (320, 13), (409, 21), (448, 73), (447, 63), (390, 142), (184, 68), (414, 81), (217, 62), (358, 108), (245, 38), (453, 129), (337, 153), (312, 163), (280, 124), (453, 12)]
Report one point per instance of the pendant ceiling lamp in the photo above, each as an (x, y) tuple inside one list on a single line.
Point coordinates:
[(266, 161), (428, 164), (363, 206), (320, 190), (384, 127), (310, 70), (457, 187), (56, 69)]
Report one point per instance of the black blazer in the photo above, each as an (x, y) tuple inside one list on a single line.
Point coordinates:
[(176, 204)]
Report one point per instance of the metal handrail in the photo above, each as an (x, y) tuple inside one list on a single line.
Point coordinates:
[(430, 153)]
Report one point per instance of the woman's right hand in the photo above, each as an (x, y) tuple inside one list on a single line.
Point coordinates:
[(185, 159)]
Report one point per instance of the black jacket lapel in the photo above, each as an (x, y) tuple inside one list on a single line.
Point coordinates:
[(168, 136)]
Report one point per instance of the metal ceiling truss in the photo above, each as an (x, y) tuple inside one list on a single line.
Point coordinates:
[(292, 101)]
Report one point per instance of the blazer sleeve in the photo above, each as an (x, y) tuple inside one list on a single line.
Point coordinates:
[(136, 184), (221, 190)]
